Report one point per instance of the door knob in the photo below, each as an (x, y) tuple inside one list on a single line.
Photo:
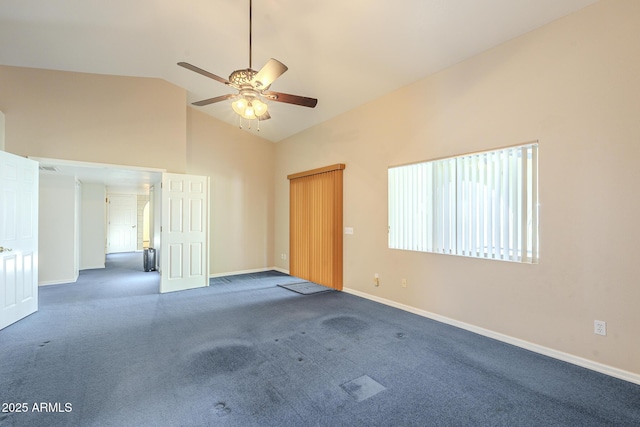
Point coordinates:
[(133, 226), (3, 249)]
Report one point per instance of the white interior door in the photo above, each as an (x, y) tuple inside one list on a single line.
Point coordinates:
[(123, 234), (184, 253), (18, 238)]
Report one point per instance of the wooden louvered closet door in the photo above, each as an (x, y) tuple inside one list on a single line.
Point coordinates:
[(315, 225)]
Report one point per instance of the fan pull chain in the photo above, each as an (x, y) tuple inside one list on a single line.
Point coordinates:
[(250, 121)]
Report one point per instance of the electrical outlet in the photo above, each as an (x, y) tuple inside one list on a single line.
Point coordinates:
[(600, 327), (404, 283), (376, 279)]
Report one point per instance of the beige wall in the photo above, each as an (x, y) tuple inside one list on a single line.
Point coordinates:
[(143, 122), (57, 229), (95, 118), (1, 131), (241, 169), (574, 86), (93, 220)]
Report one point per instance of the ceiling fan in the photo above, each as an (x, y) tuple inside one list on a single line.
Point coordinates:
[(252, 86)]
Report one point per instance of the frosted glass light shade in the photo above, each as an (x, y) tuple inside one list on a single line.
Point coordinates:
[(249, 108)]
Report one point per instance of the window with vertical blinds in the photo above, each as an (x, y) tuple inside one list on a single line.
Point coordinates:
[(482, 205)]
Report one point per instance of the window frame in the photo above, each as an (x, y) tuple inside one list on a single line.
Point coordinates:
[(449, 205)]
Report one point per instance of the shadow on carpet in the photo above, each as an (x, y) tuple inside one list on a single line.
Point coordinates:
[(305, 288)]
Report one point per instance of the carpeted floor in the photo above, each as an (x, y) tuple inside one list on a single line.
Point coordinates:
[(110, 351)]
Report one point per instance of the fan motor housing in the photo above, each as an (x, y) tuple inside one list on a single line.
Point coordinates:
[(242, 77)]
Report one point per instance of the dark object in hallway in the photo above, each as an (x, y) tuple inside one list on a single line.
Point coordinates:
[(149, 259)]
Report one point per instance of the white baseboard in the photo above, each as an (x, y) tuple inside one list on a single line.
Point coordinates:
[(58, 282), (52, 282), (93, 267), (560, 355)]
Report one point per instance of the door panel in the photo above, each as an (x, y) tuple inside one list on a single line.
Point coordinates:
[(18, 238), (123, 235), (185, 232)]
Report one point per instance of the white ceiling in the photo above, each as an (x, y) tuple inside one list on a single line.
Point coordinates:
[(128, 179), (345, 53)]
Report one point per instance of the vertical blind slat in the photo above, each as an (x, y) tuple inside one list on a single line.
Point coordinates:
[(460, 212), (532, 204), (524, 206)]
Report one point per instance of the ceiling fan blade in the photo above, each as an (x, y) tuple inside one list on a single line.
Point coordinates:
[(267, 74), (290, 99), (213, 100), (203, 72), (265, 116)]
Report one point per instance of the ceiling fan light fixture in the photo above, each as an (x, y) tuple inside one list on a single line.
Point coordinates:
[(239, 105), (259, 107), (249, 108)]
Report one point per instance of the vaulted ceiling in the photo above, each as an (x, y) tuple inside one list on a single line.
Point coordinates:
[(345, 53)]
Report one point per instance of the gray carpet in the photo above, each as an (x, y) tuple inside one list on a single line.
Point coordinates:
[(245, 352), (306, 288)]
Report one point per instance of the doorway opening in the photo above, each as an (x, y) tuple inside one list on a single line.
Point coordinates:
[(146, 227), (129, 221), (88, 226), (178, 206)]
